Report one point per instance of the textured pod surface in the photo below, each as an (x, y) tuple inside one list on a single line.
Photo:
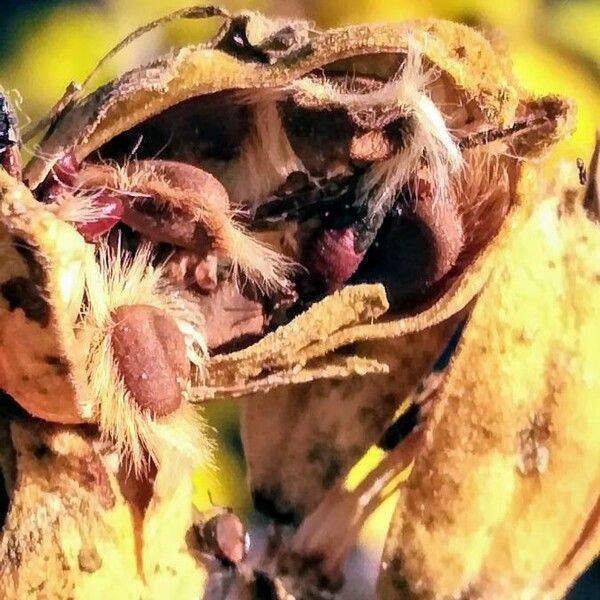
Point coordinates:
[(150, 136), (318, 430), (41, 290), (503, 498), (426, 101), (70, 532)]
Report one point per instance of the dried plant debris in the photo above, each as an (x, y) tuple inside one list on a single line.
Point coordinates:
[(269, 215)]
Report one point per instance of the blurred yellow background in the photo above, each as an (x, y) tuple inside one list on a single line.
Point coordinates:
[(46, 44)]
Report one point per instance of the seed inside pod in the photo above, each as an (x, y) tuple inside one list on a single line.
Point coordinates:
[(416, 247), (222, 535), (150, 354), (332, 257)]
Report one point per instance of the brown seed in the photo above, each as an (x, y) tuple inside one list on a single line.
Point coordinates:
[(151, 357), (223, 535)]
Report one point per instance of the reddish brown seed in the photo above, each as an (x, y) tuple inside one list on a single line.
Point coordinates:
[(110, 209), (150, 353), (63, 175), (332, 257), (172, 226), (444, 227), (65, 170), (224, 536), (231, 537)]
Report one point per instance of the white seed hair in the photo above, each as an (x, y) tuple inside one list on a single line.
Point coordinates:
[(74, 208), (265, 160), (428, 140), (117, 280)]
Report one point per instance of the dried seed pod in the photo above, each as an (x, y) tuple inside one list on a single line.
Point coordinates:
[(431, 271), (465, 56), (68, 530), (239, 115), (503, 498)]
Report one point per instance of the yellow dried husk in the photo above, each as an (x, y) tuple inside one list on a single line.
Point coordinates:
[(503, 498), (71, 533), (473, 520)]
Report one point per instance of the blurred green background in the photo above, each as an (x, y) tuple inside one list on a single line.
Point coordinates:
[(554, 45)]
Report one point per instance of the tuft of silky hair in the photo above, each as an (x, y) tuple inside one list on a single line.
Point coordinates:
[(427, 138), (266, 157), (119, 279)]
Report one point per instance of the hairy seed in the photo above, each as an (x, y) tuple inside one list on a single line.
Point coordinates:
[(151, 357)]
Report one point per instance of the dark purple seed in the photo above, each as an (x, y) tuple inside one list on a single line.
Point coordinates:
[(331, 256)]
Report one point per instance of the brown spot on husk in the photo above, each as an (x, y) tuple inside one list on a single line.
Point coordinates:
[(27, 292), (61, 365), (92, 476), (271, 503), (21, 292)]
